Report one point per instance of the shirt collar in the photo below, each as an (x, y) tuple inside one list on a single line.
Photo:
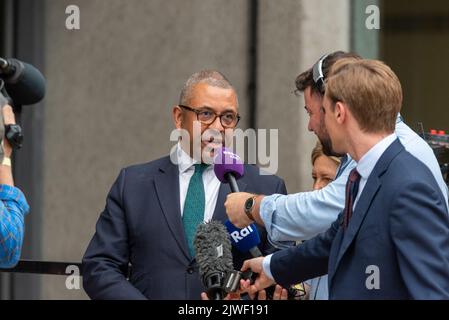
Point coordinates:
[(185, 162), (367, 163)]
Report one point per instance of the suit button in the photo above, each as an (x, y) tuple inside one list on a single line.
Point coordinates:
[(190, 270)]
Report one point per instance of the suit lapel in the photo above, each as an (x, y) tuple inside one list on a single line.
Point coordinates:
[(220, 212), (369, 192), (333, 255), (167, 189), (359, 214)]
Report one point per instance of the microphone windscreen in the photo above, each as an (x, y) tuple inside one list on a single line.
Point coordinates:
[(27, 85), (213, 248), (243, 239), (226, 161)]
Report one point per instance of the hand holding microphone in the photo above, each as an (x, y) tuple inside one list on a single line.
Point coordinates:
[(262, 280), (241, 228), (214, 257), (20, 84), (228, 168), (235, 205)]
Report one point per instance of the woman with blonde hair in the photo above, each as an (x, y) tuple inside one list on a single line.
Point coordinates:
[(324, 169)]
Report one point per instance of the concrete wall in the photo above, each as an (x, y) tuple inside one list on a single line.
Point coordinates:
[(293, 35), (112, 84)]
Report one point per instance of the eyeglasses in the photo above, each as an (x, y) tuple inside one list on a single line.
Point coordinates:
[(227, 119)]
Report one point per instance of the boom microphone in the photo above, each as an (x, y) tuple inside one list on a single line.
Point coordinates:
[(214, 257), (23, 82)]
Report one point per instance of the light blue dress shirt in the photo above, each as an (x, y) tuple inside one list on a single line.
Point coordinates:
[(302, 216)]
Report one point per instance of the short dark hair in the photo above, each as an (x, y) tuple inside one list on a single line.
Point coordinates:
[(305, 79)]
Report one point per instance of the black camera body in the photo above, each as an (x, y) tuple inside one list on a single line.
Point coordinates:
[(438, 140)]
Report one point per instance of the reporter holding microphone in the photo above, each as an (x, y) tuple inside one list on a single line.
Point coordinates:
[(13, 205)]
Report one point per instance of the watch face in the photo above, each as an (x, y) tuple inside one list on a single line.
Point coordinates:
[(249, 203)]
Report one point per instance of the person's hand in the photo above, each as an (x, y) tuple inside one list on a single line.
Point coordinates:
[(235, 209), (278, 294), (230, 296), (8, 118), (262, 280)]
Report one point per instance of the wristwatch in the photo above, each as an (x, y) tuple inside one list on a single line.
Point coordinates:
[(6, 161), (249, 205)]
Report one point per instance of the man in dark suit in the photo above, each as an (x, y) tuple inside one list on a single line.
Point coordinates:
[(153, 209), (392, 239)]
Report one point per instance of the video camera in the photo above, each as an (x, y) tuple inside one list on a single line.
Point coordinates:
[(438, 140), (20, 84)]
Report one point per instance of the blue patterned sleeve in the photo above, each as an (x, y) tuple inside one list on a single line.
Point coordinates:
[(13, 208)]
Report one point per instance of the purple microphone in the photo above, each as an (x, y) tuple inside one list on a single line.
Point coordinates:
[(228, 167)]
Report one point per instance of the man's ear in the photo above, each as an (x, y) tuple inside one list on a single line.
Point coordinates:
[(177, 117), (340, 112)]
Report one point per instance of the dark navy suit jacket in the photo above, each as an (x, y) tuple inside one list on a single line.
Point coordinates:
[(142, 226), (396, 245)]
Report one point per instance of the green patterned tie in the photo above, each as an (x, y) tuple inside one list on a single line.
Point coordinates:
[(194, 206)]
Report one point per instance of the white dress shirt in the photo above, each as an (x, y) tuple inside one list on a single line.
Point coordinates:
[(367, 163), (210, 181)]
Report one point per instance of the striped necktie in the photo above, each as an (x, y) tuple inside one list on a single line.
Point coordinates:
[(352, 187)]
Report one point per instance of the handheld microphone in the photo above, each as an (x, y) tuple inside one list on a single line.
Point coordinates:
[(23, 82), (228, 167), (214, 257), (246, 239)]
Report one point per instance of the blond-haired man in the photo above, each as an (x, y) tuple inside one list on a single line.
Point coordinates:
[(391, 241)]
